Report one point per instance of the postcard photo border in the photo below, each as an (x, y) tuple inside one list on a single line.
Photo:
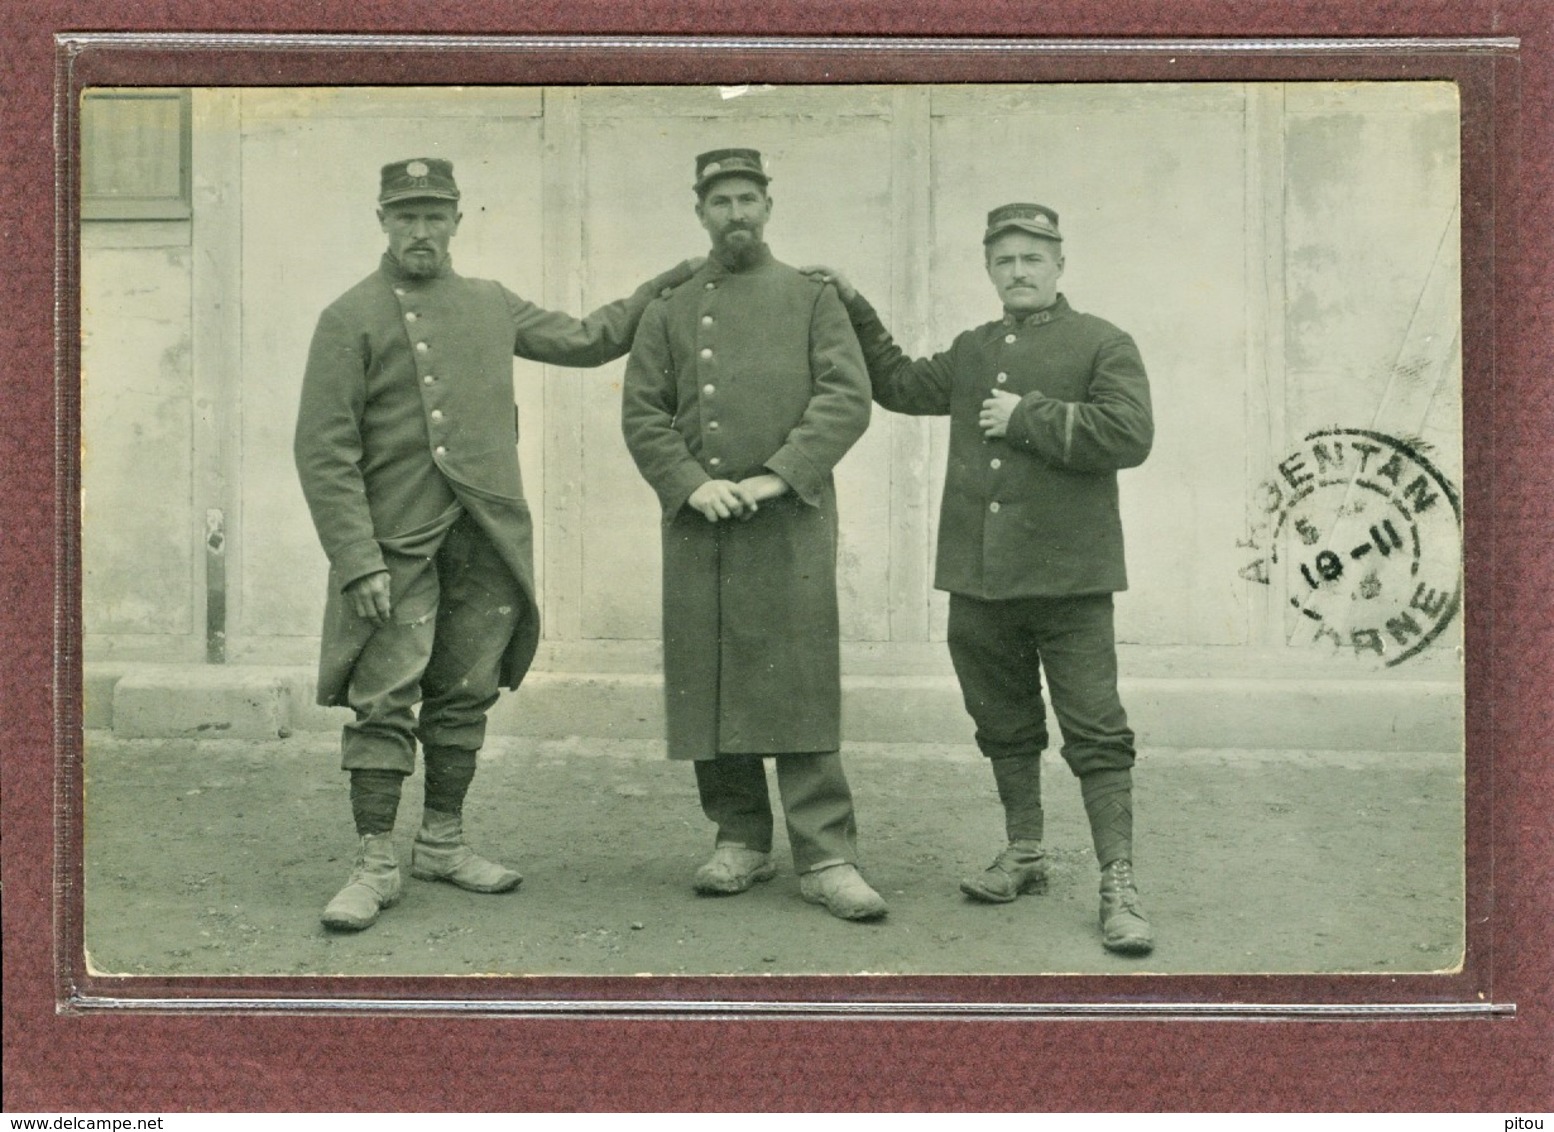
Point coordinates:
[(1485, 71)]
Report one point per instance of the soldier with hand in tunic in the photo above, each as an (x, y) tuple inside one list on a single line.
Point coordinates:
[(1046, 405)]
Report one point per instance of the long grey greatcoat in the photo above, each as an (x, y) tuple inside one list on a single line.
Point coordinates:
[(407, 420), (734, 374)]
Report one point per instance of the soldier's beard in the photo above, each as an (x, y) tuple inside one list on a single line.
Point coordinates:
[(419, 263), (739, 252)]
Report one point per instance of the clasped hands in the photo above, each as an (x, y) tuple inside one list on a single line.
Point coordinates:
[(725, 499)]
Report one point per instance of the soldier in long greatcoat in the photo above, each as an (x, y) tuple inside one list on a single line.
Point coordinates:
[(406, 445), (1046, 405), (744, 389)]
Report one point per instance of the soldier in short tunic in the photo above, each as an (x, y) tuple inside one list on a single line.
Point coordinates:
[(744, 389), (406, 445), (1046, 405)]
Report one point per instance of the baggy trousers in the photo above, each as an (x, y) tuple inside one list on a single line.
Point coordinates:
[(816, 800), (453, 615), (1001, 649)]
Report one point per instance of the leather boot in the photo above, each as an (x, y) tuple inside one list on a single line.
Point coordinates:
[(843, 891), (733, 869), (374, 885), (1021, 868), (439, 853), (1124, 927)]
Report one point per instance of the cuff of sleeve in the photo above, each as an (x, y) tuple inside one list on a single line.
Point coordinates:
[(859, 310), (1026, 423), (799, 474), (684, 481), (357, 560)]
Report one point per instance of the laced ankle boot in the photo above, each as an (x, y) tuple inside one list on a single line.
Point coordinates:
[(374, 885), (1108, 797), (439, 853), (1019, 870), (1124, 927), (1022, 867)]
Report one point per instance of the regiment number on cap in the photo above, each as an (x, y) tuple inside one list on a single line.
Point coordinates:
[(417, 169)]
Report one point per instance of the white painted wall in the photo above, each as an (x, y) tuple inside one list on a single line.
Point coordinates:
[(1285, 255)]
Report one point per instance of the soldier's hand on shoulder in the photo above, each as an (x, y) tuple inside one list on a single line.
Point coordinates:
[(721, 499), (831, 275), (369, 597), (689, 268)]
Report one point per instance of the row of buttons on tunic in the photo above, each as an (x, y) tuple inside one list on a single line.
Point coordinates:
[(426, 379), (710, 389), (996, 463)]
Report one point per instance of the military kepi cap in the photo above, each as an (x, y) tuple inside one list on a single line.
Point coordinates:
[(418, 178), (729, 163), (1037, 219)]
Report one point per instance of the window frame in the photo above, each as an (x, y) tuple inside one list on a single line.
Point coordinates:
[(149, 207)]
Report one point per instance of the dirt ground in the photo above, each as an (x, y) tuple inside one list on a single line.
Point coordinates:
[(215, 857)]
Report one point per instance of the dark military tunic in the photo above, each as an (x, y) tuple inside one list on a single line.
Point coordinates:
[(1033, 513), (735, 374), (407, 422)]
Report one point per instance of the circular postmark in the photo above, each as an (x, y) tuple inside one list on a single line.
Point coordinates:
[(1369, 534)]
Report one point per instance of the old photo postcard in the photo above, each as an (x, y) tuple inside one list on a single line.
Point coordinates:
[(1167, 419)]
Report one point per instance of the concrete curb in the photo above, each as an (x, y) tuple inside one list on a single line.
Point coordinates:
[(267, 702)]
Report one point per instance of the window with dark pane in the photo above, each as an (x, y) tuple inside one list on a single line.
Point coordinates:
[(135, 155)]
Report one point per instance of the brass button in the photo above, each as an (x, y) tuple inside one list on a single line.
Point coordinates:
[(710, 286), (714, 461), (410, 316), (709, 390), (997, 463), (993, 507), (1008, 337), (1003, 377), (712, 426), (437, 416), (428, 379), (441, 451), (706, 320), (421, 347), (706, 352)]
